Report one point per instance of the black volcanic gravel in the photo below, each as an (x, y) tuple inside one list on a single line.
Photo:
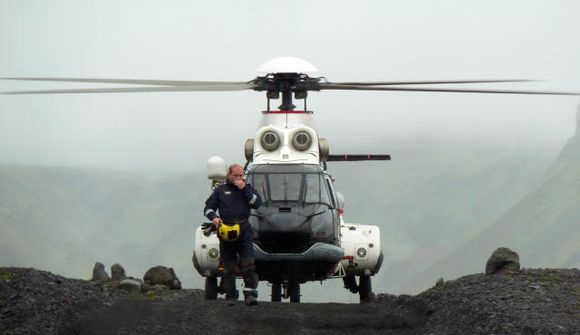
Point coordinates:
[(528, 302), (39, 302)]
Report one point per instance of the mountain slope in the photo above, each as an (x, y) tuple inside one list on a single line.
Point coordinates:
[(544, 227), (64, 219), (433, 196)]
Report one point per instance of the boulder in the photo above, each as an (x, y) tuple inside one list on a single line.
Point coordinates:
[(161, 275), (118, 272), (502, 260), (130, 284), (99, 273)]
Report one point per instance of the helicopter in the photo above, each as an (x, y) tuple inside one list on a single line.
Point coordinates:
[(301, 234)]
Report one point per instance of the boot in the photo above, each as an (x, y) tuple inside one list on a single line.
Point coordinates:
[(229, 282), (250, 281), (250, 297)]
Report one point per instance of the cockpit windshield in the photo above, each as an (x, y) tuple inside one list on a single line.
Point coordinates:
[(290, 184)]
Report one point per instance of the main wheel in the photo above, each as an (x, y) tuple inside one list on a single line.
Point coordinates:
[(211, 288), (294, 291), (365, 287), (276, 292), (350, 283)]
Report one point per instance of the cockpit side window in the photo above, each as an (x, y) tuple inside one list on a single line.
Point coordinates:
[(332, 194), (315, 190), (260, 183)]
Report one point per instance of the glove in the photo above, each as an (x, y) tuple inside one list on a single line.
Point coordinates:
[(207, 228)]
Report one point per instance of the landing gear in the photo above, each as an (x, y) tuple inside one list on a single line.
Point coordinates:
[(365, 288), (286, 289), (276, 292), (350, 283), (294, 291), (211, 288)]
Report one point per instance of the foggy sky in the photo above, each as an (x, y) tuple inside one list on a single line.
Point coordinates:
[(228, 40)]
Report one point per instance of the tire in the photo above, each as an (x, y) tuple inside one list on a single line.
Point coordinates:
[(350, 283), (294, 291), (276, 292), (365, 288), (211, 288)]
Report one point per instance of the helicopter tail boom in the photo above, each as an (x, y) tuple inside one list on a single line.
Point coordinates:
[(357, 157)]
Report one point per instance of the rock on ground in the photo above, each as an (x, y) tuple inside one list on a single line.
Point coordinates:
[(99, 273), (118, 272), (502, 260), (130, 284), (161, 275)]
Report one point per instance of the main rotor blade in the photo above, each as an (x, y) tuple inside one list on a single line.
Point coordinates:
[(132, 81), (450, 90), (209, 88), (431, 82)]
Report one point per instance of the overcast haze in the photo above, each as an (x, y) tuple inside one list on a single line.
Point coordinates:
[(228, 40)]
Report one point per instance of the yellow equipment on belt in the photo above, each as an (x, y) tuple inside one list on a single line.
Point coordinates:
[(229, 232)]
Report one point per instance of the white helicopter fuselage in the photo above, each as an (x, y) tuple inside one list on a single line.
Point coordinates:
[(300, 234)]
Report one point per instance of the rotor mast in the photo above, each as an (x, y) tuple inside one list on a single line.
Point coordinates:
[(290, 85)]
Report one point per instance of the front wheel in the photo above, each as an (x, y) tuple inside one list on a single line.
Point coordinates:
[(211, 288), (276, 292), (294, 292)]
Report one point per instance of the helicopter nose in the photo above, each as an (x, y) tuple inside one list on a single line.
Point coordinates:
[(285, 153), (284, 221)]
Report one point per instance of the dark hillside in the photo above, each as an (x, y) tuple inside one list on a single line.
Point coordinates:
[(50, 216), (432, 197), (543, 226)]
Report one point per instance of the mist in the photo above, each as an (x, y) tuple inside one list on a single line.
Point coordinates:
[(174, 132), (161, 134)]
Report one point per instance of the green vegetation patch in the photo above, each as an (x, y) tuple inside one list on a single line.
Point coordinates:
[(6, 276), (554, 277), (151, 294)]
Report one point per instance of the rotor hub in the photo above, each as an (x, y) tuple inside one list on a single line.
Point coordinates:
[(290, 85)]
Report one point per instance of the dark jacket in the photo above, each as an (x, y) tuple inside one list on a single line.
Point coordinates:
[(231, 202)]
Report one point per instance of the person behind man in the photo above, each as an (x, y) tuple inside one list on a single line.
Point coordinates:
[(233, 201)]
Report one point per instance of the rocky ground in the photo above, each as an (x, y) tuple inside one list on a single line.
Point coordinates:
[(526, 302)]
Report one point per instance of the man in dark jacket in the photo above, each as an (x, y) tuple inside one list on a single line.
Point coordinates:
[(233, 201)]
